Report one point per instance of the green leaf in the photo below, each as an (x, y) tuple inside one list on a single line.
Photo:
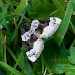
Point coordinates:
[(58, 69), (47, 7), (1, 17), (11, 38), (10, 17), (15, 3), (64, 25), (5, 24), (63, 68), (19, 58), (20, 8), (71, 72), (9, 68), (1, 46), (60, 8), (1, 4), (73, 3), (4, 11), (72, 55), (63, 52), (21, 19)]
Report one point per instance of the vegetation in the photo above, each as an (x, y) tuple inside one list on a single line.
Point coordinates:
[(58, 57)]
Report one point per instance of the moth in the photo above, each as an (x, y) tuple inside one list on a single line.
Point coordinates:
[(33, 34)]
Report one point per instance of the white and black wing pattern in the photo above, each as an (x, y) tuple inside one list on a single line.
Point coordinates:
[(32, 39), (52, 28), (27, 35), (34, 53)]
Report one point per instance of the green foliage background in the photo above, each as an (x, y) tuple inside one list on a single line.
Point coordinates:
[(58, 57)]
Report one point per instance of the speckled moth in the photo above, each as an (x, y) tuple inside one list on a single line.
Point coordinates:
[(32, 39)]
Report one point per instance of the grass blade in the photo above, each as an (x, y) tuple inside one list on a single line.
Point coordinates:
[(58, 5), (1, 47), (64, 25), (4, 48), (1, 4), (9, 68), (21, 7), (4, 11)]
